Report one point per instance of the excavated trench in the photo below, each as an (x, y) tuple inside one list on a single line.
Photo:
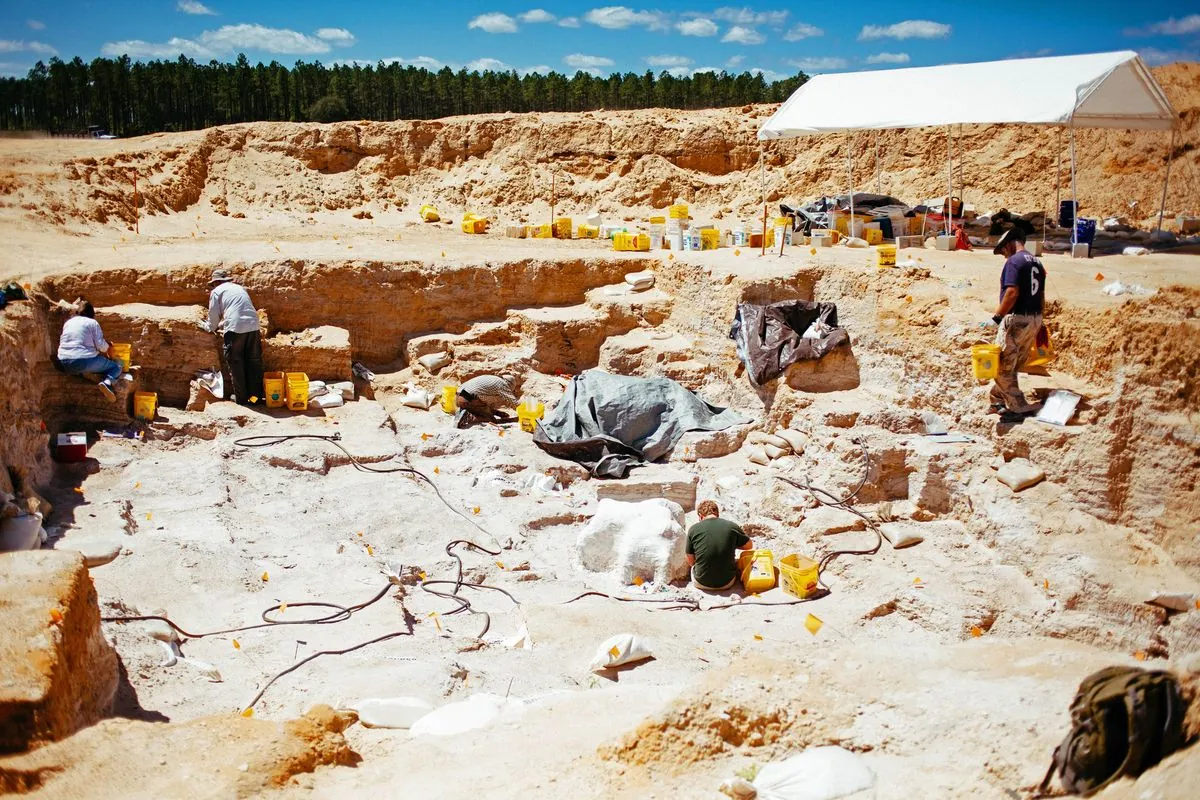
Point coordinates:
[(1064, 559)]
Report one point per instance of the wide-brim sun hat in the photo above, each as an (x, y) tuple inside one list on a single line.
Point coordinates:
[(1005, 238), (219, 276)]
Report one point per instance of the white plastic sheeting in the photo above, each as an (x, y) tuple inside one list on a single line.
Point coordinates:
[(1102, 90)]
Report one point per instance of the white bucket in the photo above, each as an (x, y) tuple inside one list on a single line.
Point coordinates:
[(676, 240)]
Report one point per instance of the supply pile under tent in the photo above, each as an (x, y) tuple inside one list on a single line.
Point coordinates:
[(1101, 90)]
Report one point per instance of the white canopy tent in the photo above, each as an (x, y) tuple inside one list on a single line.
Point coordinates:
[(1101, 90)]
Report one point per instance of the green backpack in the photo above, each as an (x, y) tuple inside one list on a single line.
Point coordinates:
[(1124, 720)]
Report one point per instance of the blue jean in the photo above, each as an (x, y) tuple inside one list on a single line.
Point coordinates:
[(99, 365)]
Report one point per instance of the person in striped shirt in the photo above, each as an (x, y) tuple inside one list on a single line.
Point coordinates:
[(482, 397)]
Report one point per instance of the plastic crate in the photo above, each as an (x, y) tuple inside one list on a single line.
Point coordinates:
[(562, 228), (873, 235), (710, 239), (542, 231), (678, 212)]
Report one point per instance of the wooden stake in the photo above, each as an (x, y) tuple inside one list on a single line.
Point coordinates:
[(136, 214)]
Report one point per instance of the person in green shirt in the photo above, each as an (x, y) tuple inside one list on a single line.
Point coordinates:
[(712, 547)]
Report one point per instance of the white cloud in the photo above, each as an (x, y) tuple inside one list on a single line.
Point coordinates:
[(487, 64), (569, 22), (748, 16), (581, 61), (230, 39), (743, 35), (193, 7), (494, 23), (701, 26), (420, 62), (1155, 57), (713, 70), (888, 58), (802, 30), (540, 69), (909, 29), (668, 61), (172, 48), (339, 37), (734, 61), (770, 76), (351, 62), (22, 46), (621, 17), (821, 64), (36, 25), (9, 69), (536, 15), (1169, 27)]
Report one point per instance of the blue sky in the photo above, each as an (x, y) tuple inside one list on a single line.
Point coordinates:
[(776, 39)]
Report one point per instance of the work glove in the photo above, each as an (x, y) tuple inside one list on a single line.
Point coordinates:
[(204, 326)]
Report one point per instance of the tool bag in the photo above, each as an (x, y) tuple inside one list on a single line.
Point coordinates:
[(1124, 720)]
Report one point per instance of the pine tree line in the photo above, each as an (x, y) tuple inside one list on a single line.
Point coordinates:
[(133, 97)]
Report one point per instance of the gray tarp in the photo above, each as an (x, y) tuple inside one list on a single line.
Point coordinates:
[(610, 423), (771, 338)]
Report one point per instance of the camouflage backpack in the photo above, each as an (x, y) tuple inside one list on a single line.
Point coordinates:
[(1124, 720)]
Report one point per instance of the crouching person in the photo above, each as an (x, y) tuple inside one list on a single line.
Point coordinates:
[(83, 349), (712, 546), (482, 397)]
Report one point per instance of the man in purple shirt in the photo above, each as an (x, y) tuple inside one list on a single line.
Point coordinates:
[(1019, 315)]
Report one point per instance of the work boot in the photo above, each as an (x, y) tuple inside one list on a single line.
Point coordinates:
[(107, 391)]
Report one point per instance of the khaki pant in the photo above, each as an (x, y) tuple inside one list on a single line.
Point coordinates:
[(1016, 338)]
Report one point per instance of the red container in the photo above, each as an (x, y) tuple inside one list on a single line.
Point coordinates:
[(71, 447)]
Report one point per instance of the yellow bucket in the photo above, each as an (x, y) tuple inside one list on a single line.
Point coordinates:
[(985, 360), (145, 406), (528, 417), (757, 568), (873, 235), (1041, 356), (122, 353), (542, 231), (886, 253), (562, 228), (297, 391), (798, 576), (449, 399), (274, 389), (678, 212)]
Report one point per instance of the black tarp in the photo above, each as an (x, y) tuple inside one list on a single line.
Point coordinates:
[(610, 423), (770, 338)]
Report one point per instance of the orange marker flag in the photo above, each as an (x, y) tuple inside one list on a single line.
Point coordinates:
[(976, 631)]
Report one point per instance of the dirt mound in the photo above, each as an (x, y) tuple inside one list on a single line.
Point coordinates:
[(242, 757), (617, 162)]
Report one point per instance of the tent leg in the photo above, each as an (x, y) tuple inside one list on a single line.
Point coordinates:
[(1162, 205), (850, 166), (950, 177), (1074, 199), (1057, 177), (762, 175), (878, 174)]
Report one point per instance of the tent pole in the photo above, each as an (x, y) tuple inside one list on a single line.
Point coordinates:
[(762, 176), (878, 175), (949, 176), (1057, 178), (1166, 179), (1074, 199), (850, 164)]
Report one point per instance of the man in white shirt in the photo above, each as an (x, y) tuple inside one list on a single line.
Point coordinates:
[(82, 348), (231, 314)]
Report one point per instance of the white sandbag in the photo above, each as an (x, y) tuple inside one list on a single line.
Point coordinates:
[(391, 712), (795, 440), (640, 281), (901, 534), (615, 651), (327, 400), (434, 361), (1135, 251), (1020, 474), (819, 773), (1174, 601), (758, 455), (477, 711), (96, 553), (854, 241), (316, 389), (22, 532), (774, 452), (418, 398), (345, 387), (762, 437)]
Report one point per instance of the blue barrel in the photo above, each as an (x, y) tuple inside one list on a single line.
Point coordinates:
[(1085, 231), (1066, 213)]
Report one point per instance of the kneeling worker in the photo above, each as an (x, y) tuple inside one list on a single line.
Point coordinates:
[(482, 397), (712, 546), (82, 348), (231, 314)]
